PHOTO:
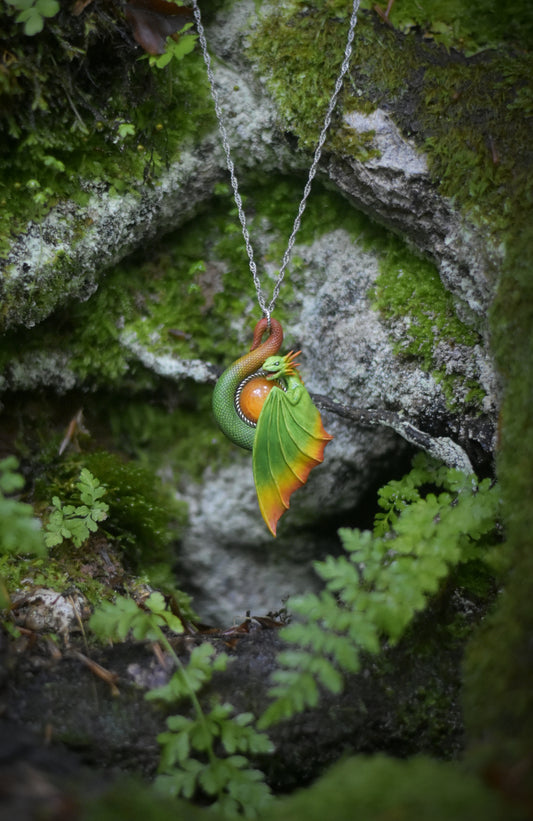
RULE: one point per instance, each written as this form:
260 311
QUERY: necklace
260 401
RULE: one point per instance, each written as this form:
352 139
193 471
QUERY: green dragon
261 404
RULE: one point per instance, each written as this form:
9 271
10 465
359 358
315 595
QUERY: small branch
106 675
441 447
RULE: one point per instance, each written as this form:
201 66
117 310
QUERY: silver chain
267 309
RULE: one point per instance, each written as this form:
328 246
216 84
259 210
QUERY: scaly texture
225 389
289 439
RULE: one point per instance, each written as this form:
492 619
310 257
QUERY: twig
441 447
106 675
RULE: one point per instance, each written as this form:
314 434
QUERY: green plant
174 49
378 788
33 12
77 522
384 578
79 107
190 760
144 516
430 521
20 530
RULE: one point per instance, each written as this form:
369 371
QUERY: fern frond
384 578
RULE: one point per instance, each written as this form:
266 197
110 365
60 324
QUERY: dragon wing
289 442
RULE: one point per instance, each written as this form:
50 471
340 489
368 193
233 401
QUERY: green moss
499 666
470 115
94 328
498 694
409 287
135 544
31 570
346 141
143 516
137 801
476 578
97 571
464 113
377 787
85 571
200 280
299 50
326 211
160 437
299 53
66 96
467 26
478 138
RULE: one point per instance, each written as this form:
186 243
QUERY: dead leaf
152 21
79 6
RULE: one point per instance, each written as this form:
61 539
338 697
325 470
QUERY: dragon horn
290 363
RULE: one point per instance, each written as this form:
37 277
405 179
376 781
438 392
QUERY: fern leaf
383 580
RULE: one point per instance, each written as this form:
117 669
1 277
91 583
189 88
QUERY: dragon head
280 366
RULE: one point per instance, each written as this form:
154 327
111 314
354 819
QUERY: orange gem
253 395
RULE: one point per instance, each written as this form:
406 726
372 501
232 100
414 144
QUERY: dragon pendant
261 404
